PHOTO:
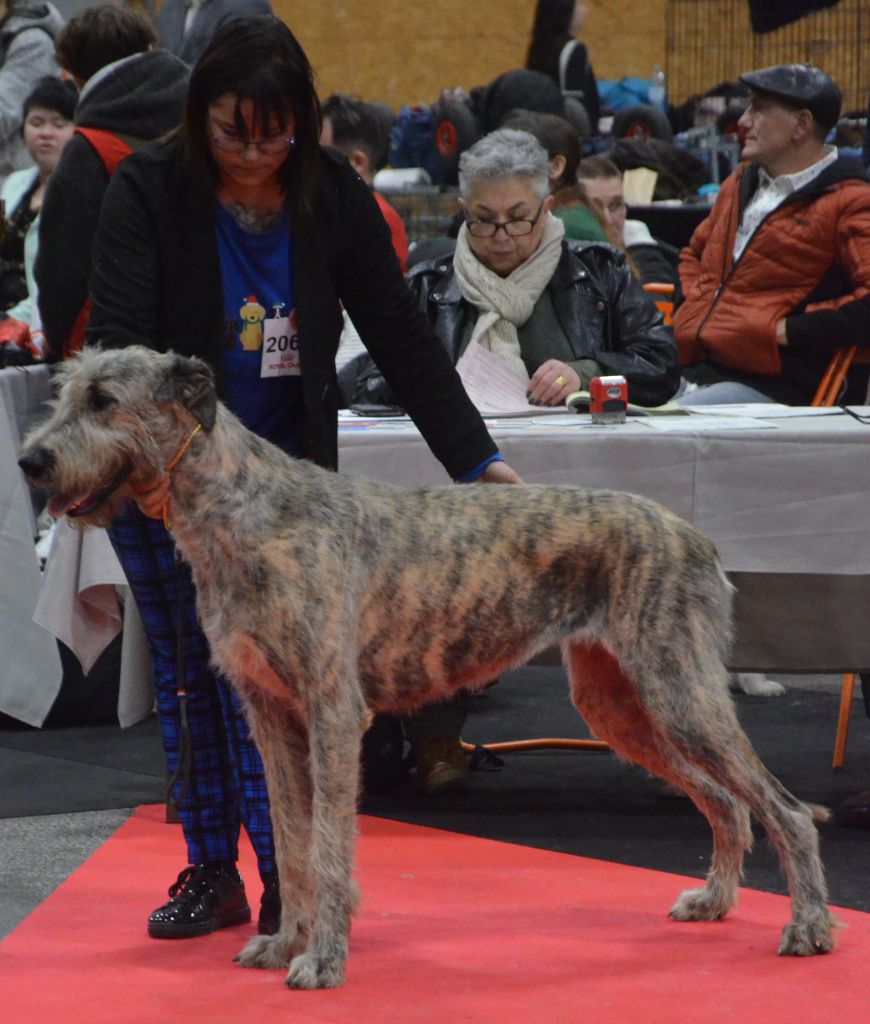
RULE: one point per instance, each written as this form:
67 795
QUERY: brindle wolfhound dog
325 598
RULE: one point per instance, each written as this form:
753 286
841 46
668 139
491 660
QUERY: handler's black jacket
156 281
602 309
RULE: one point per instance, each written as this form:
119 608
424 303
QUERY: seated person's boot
434 732
441 764
204 898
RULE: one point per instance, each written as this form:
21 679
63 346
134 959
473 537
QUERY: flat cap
803 85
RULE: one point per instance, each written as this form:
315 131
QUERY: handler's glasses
513 228
229 142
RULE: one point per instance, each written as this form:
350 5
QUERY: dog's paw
807 939
308 970
698 905
755 684
267 951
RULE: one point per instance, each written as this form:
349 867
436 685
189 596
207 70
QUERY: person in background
46 129
131 93
237 239
652 261
533 296
27 34
184 27
555 50
777 277
555 311
361 131
571 202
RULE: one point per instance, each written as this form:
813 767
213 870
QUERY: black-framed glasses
233 144
513 228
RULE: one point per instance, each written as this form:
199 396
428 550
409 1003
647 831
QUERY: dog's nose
35 463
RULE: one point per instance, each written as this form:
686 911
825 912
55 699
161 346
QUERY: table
787 506
673 223
78 600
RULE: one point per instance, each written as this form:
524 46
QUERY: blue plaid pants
222 786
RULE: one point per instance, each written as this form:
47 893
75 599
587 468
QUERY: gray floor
38 853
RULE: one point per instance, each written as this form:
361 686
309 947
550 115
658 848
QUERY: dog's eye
99 401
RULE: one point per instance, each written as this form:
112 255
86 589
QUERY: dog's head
118 416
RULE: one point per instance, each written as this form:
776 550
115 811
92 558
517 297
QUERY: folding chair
829 391
665 302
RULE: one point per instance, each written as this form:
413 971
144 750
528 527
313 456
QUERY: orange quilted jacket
809 261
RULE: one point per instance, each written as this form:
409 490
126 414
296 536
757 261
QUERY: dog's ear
190 382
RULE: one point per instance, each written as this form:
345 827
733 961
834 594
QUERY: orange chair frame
829 390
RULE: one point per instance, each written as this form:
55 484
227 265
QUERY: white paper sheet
494 387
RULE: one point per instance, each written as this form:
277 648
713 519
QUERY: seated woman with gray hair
560 312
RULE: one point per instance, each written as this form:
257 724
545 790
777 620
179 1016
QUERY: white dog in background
754 684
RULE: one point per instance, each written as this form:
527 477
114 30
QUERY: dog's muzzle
34 465
38 464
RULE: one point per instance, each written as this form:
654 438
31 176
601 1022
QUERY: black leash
184 766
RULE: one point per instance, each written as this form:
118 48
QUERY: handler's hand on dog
499 473
150 495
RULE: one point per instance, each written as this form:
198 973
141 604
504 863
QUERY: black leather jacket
601 306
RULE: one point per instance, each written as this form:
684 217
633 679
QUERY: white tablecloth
30 668
786 504
77 601
793 497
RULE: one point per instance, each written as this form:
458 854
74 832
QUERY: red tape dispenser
608 399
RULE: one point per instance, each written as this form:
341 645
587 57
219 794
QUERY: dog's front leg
336 732
283 746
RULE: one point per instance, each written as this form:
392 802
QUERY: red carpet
452 929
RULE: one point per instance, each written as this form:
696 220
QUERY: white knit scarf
506 303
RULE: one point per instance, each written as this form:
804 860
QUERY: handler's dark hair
100 35
256 58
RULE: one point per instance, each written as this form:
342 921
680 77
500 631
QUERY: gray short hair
504 153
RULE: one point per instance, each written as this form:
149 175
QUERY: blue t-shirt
261 339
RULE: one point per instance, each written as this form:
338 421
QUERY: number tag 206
280 356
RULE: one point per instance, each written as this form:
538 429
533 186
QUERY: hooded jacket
139 98
808 262
26 54
208 18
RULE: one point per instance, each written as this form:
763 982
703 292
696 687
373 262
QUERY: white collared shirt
771 192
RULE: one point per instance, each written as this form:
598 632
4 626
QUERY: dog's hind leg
790 826
609 701
692 715
283 746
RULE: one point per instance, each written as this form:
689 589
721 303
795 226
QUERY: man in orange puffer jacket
778 276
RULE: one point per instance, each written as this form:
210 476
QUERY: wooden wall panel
709 41
406 52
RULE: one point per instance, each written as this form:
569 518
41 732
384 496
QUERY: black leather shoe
204 898
269 920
